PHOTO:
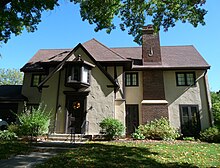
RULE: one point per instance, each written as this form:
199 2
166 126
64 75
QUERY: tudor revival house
84 85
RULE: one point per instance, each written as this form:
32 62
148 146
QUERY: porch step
68 137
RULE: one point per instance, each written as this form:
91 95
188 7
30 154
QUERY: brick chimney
150 46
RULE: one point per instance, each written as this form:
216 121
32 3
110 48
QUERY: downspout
208 99
57 102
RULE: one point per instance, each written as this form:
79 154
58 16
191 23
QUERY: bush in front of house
34 123
211 134
7 136
112 128
158 129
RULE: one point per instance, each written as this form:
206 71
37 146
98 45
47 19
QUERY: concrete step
68 137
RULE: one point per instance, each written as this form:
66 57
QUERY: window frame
185 78
131 82
190 117
81 68
39 80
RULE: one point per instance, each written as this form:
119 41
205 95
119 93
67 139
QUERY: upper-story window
185 78
37 79
131 79
78 73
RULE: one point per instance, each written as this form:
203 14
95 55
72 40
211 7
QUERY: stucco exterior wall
33 94
179 95
134 95
100 101
119 95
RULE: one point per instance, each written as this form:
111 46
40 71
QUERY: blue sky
63 28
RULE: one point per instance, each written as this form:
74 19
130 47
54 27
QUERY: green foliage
133 14
34 123
7 136
10 77
138 135
158 129
216 108
113 128
188 138
13 128
17 15
211 134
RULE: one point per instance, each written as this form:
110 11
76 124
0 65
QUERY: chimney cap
149 29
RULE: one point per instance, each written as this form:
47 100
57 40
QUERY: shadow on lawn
105 155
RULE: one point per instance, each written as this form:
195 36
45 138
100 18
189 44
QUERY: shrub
211 134
7 135
158 129
112 128
13 128
138 135
34 123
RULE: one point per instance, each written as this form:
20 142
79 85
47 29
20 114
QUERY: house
11 101
84 85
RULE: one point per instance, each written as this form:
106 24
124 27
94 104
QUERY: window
37 79
78 73
131 79
190 120
185 78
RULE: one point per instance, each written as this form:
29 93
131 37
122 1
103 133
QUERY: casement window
131 79
185 78
37 79
190 120
78 74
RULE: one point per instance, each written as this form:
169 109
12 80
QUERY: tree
216 107
10 77
17 15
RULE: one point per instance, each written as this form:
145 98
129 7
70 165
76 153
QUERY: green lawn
138 154
10 148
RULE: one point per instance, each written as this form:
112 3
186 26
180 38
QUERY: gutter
208 100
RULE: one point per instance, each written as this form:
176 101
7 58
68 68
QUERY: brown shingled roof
172 56
102 53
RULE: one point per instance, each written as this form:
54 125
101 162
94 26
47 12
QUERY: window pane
85 73
75 76
128 79
181 79
190 79
134 79
36 80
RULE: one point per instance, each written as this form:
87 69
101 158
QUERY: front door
190 120
76 114
132 119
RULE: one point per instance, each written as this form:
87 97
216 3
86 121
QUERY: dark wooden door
132 118
75 113
190 120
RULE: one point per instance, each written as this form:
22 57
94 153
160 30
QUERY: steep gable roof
102 53
171 56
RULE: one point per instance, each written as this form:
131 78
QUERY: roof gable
171 56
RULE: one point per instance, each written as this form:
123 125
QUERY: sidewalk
46 150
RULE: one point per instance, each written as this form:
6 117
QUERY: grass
10 148
138 154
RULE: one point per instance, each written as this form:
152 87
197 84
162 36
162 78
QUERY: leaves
10 77
26 14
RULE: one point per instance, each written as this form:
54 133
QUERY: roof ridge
56 49
179 46
109 49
